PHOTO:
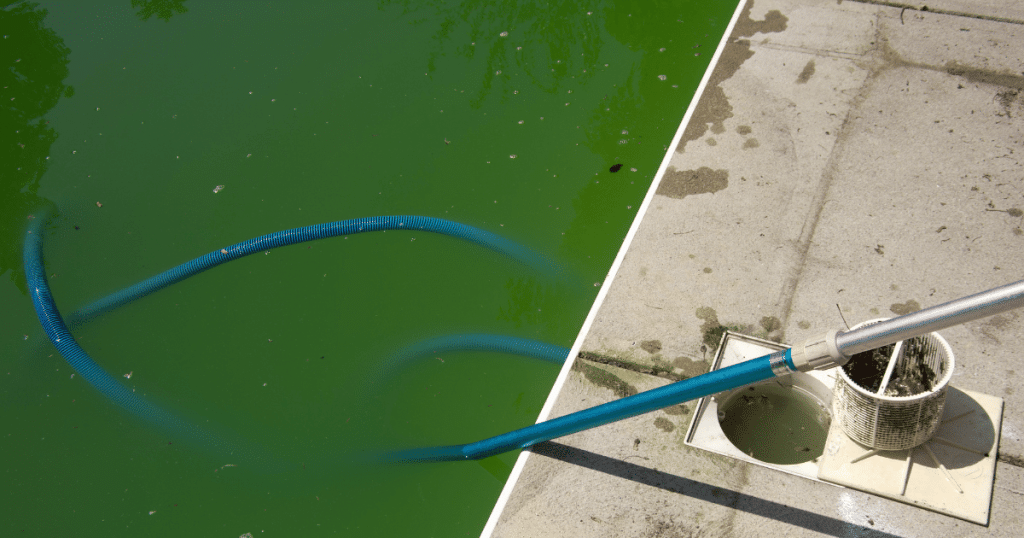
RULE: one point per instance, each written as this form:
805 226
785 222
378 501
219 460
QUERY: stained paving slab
847 161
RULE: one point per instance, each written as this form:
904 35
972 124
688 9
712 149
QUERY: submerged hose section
65 343
59 334
734 376
488 342
310 233
491 343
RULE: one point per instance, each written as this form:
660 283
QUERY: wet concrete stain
651 346
1013 83
771 323
690 367
676 410
664 424
714 108
1015 214
682 183
1010 459
996 326
1007 78
1006 99
750 143
774 22
773 328
661 368
604 378
807 73
1001 322
905 308
712 330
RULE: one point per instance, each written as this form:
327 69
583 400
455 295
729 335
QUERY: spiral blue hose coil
57 330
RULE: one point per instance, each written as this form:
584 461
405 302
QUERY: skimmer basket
903 409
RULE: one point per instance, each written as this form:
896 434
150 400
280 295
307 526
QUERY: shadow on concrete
705 492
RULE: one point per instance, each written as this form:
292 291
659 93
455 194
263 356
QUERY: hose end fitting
820 353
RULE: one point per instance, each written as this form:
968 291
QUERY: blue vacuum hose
744 373
490 343
818 353
827 351
59 334
310 233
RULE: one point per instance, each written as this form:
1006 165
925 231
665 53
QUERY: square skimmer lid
952 474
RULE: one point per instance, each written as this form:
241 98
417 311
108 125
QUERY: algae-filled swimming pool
123 118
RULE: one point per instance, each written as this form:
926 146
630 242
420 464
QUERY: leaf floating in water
615 168
218 188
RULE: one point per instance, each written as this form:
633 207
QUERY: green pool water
124 117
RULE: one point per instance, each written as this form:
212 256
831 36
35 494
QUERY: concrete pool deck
846 160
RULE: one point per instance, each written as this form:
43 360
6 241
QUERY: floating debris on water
218 188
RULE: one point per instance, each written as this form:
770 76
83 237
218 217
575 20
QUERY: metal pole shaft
970 308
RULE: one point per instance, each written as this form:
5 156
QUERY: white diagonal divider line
545 412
